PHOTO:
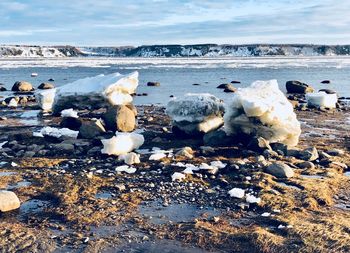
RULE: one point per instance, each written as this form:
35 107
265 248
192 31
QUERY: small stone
306 165
153 84
309 154
335 152
280 170
8 201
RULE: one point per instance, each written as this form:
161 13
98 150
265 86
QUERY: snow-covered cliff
203 50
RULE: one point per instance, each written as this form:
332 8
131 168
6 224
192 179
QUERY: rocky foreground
262 198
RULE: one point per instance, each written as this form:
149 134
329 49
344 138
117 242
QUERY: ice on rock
69 113
115 89
122 143
57 132
196 113
321 99
262 110
13 103
237 193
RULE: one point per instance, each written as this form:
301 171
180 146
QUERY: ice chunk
115 89
252 199
46 99
69 113
237 193
122 143
157 156
178 176
262 110
125 168
194 107
57 132
130 158
218 164
322 99
13 103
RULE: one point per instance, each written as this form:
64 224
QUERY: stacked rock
195 114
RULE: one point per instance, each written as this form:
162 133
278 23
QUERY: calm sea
177 75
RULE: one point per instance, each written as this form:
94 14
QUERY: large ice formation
196 113
122 143
115 89
262 110
322 99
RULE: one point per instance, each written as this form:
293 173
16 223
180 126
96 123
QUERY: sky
147 22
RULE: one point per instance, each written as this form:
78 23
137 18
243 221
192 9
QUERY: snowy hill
39 51
203 50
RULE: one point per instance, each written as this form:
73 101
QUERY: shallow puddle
290 186
19 185
103 195
160 214
33 206
7 173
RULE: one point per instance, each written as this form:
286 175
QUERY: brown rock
46 86
120 118
22 86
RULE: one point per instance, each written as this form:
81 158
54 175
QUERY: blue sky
140 22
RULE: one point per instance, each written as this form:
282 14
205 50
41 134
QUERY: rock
71 123
23 100
280 170
235 82
185 152
132 108
326 81
184 128
46 86
262 110
8 201
306 165
2 88
224 86
196 84
294 103
22 86
217 138
230 89
309 154
67 147
51 80
279 147
91 129
13 103
153 84
258 144
120 118
335 152
298 87
328 91
269 153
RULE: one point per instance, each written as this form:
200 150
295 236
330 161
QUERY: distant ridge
196 50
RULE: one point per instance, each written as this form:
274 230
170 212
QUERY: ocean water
177 75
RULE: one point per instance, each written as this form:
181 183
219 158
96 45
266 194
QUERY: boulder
326 81
120 118
91 129
46 86
224 86
8 201
259 144
71 123
328 91
195 114
298 87
2 88
22 86
280 170
217 138
262 110
153 84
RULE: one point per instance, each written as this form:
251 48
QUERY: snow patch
69 113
